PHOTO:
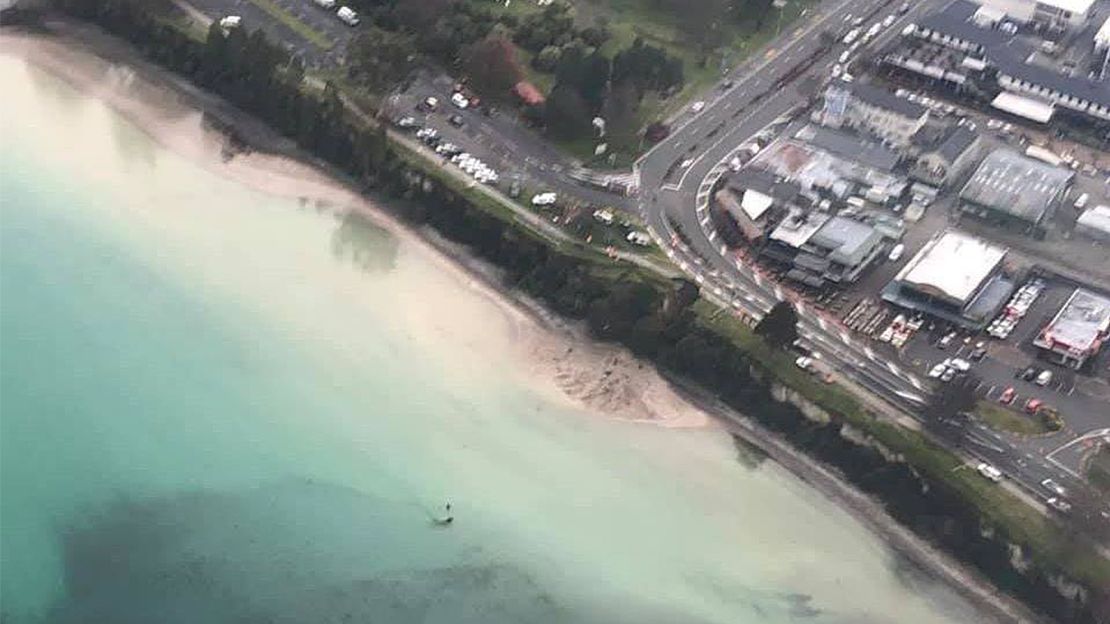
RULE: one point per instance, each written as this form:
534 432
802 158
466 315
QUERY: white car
889 20
989 471
230 22
697 107
1082 201
961 365
604 215
803 362
896 252
325 4
1053 486
1044 378
459 100
938 370
638 238
348 16
544 199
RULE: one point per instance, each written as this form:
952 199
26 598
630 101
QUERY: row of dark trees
651 316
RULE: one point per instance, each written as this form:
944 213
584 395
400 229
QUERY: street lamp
780 5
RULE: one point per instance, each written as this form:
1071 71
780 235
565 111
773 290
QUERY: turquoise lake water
222 406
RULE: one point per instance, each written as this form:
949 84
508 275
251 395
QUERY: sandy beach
600 378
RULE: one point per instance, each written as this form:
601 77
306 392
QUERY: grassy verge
1004 419
1098 472
285 17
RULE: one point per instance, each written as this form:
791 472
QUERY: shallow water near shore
217 405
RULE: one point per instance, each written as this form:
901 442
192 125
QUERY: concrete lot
322 21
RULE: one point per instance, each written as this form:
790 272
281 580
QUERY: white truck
347 15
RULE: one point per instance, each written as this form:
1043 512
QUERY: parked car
697 107
1055 487
325 4
1032 405
946 340
456 120
406 122
544 199
1059 504
989 471
1081 202
948 375
938 370
1007 396
348 16
1029 373
429 103
803 362
896 252
978 354
1043 378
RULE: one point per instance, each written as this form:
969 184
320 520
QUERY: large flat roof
845 238
886 100
1074 6
1081 324
849 147
1016 185
1010 53
953 265
1096 218
796 229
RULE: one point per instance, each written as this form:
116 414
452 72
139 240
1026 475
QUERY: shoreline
278 167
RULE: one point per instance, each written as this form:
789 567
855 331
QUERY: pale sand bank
601 378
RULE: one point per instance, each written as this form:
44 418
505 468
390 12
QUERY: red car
1032 405
1007 396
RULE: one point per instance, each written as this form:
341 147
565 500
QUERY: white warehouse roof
1097 218
1022 106
952 265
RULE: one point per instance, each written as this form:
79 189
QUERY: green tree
780 327
952 399
566 113
378 59
492 66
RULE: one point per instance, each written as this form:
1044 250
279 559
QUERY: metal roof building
956 277
1014 190
1078 330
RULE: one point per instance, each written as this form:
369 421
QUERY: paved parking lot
333 34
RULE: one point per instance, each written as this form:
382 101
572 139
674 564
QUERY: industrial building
875 111
1051 15
1078 330
947 158
818 249
965 44
1014 191
955 277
